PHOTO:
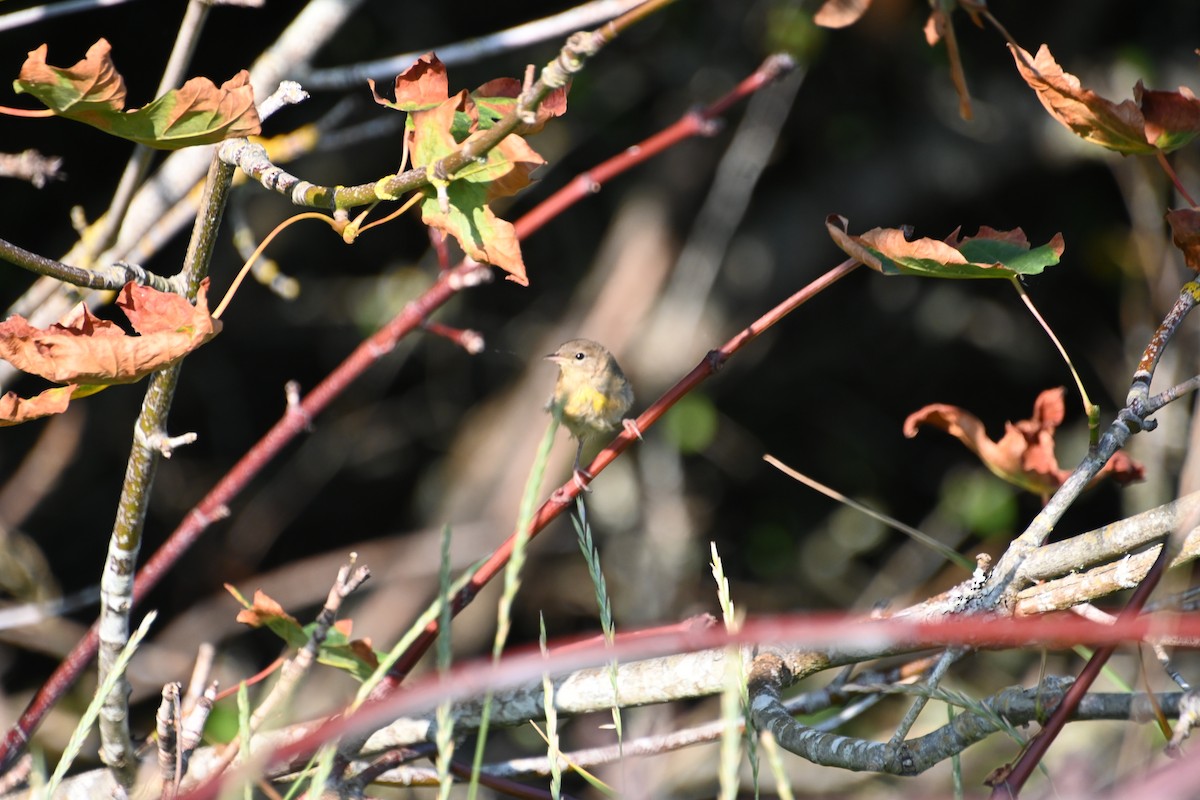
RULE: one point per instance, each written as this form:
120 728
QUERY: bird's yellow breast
587 409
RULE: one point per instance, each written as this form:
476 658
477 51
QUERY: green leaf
93 92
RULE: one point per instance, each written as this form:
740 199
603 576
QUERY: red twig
697 122
467 339
1166 167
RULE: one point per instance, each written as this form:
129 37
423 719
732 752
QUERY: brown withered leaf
1152 121
423 85
89 350
14 409
1185 232
1025 455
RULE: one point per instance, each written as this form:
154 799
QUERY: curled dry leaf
88 353
1185 232
90 350
1152 121
988 254
15 409
93 92
1024 456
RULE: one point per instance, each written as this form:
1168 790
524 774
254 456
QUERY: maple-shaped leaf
988 254
89 350
93 92
1152 121
460 207
1185 232
439 124
338 650
1024 456
423 85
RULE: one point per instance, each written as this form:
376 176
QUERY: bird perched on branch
592 392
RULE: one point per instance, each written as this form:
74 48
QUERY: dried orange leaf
423 85
1185 232
1152 121
14 410
93 92
1025 455
91 86
94 351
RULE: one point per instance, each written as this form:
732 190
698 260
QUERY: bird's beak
555 357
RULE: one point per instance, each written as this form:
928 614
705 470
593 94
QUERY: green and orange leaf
425 84
439 124
989 254
338 649
93 92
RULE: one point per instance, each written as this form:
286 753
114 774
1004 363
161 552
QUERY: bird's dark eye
580 356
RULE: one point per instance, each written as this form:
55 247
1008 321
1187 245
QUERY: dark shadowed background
434 436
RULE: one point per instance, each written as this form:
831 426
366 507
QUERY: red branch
697 122
816 632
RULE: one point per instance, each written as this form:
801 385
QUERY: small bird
593 392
